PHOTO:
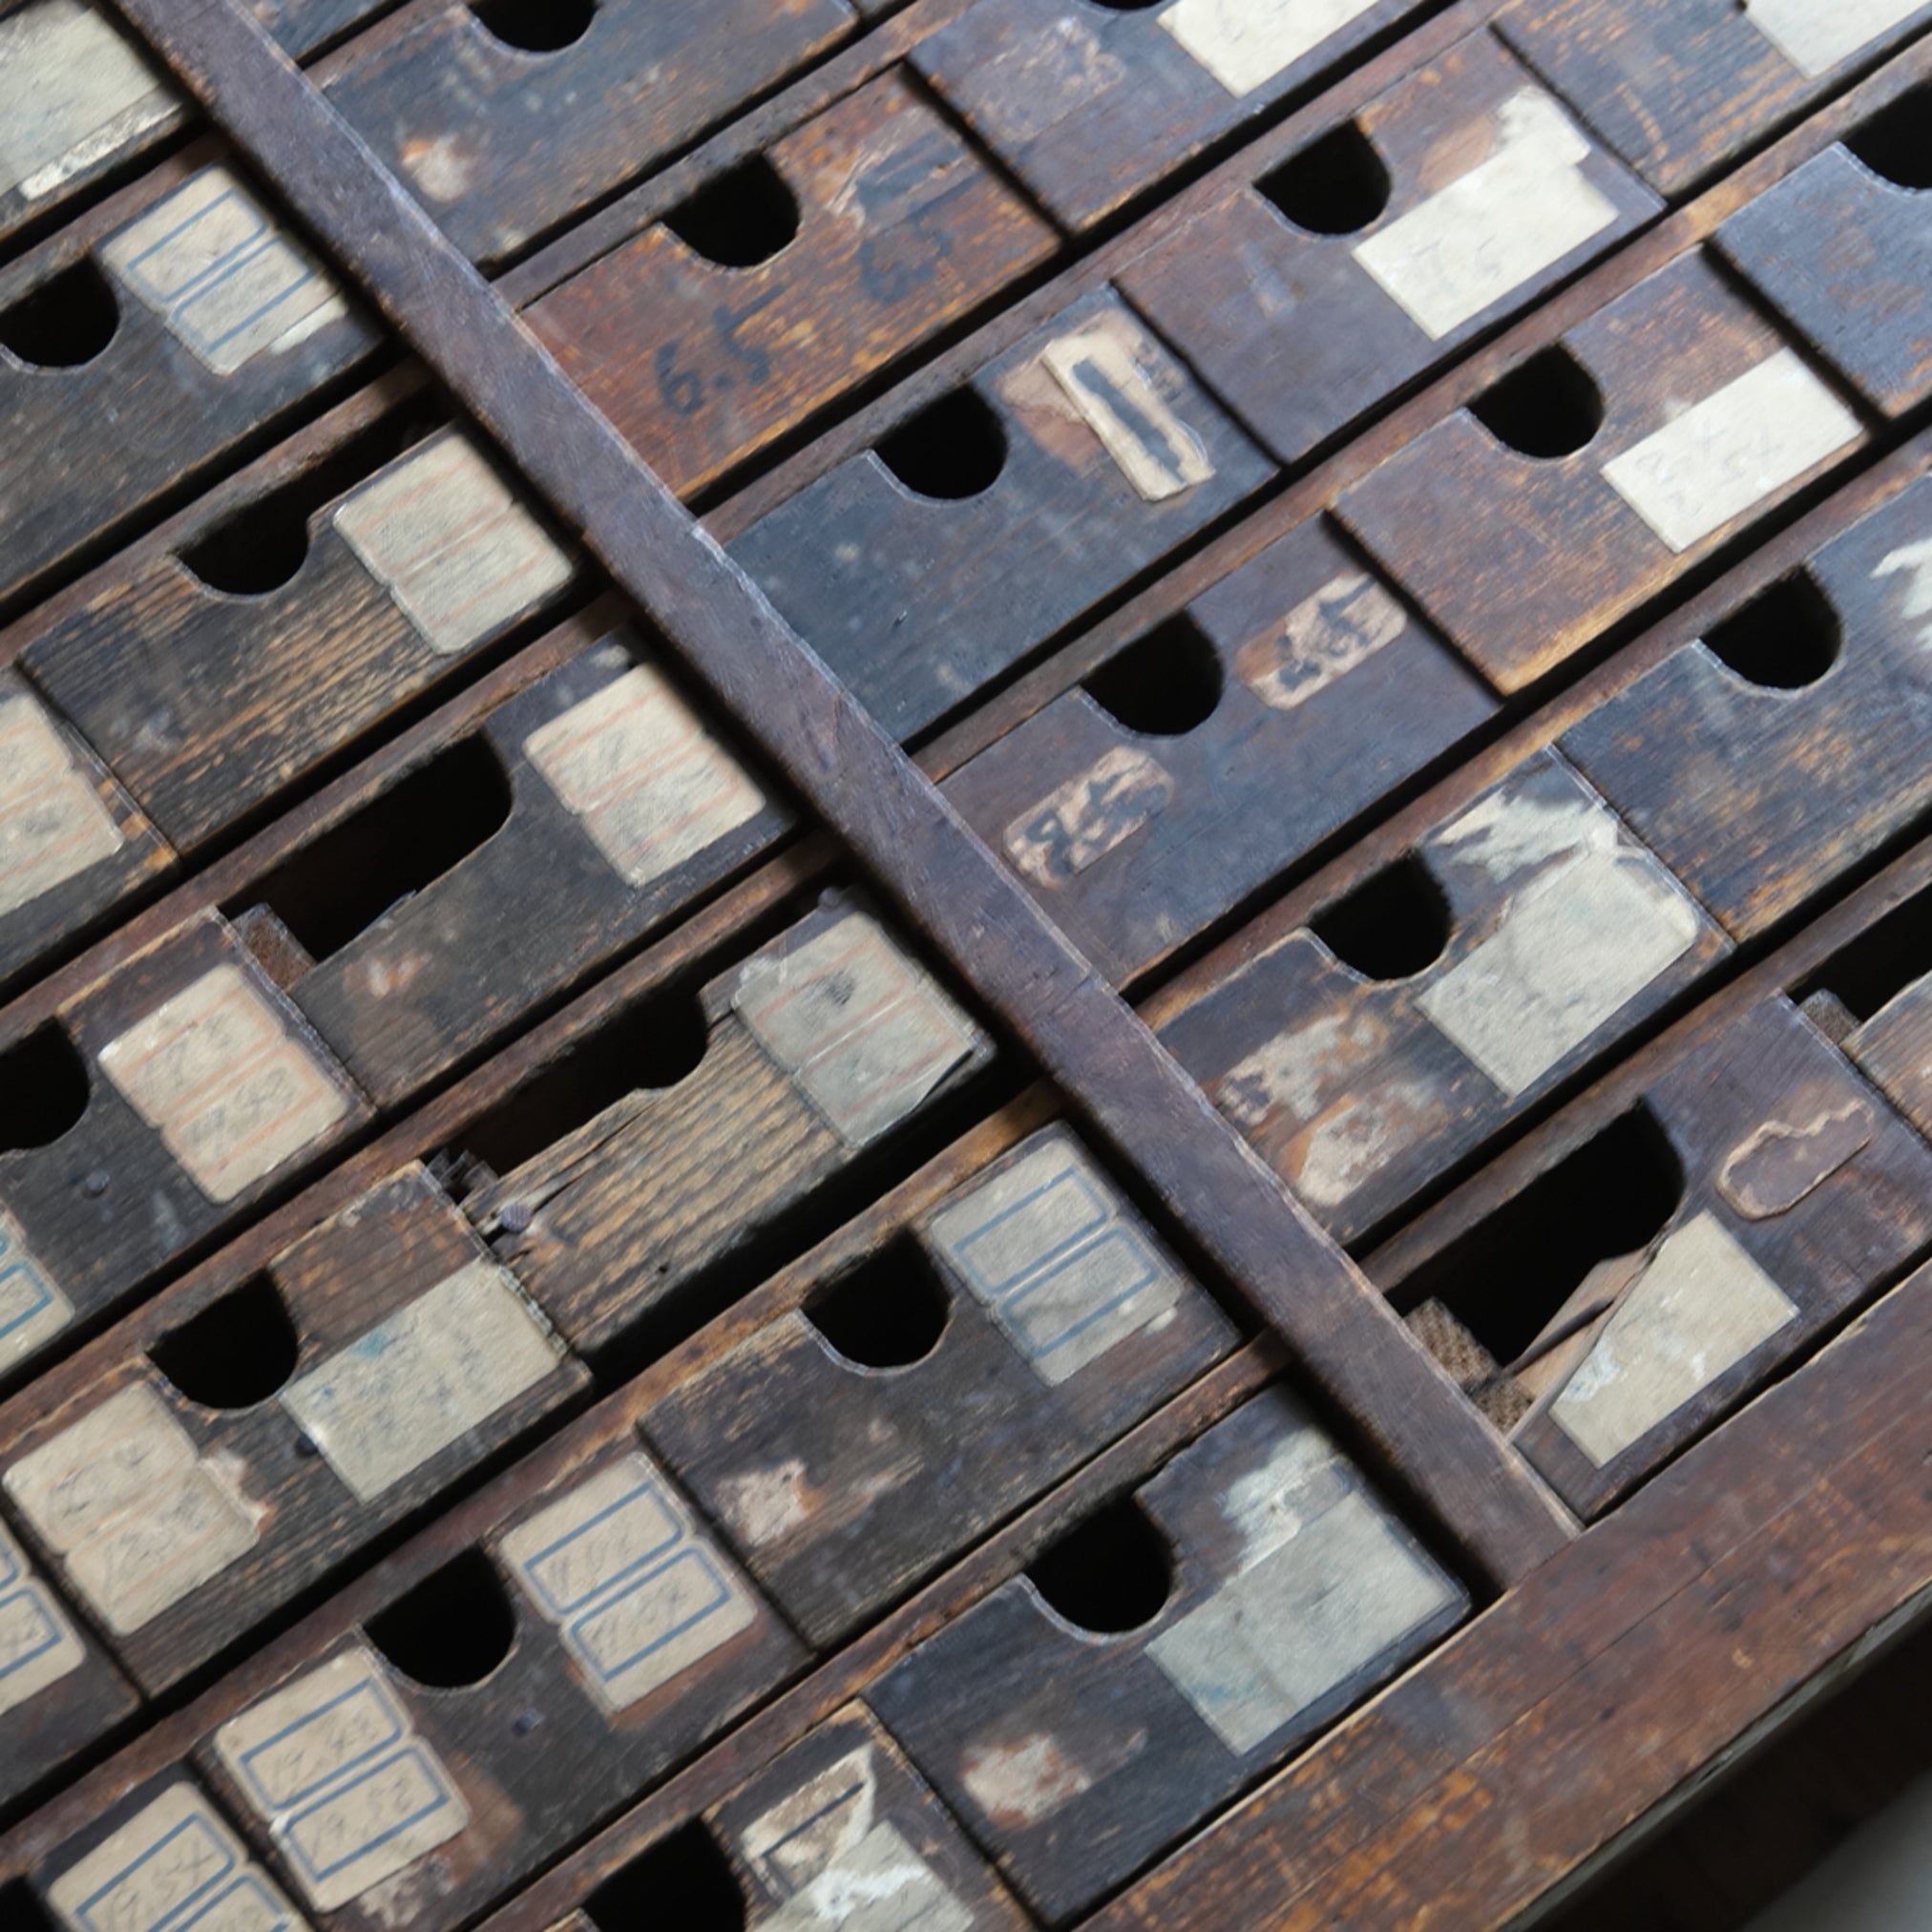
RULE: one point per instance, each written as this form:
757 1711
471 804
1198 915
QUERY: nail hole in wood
952 448
43 1089
1390 926
64 322
1897 142
886 1313
1164 685
454 1628
1786 637
684 1879
744 217
1335 186
535 26
1111 1573
238 1351
1547 406
341 883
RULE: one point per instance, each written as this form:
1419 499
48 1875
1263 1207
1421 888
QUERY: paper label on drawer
424 1379
1731 451
1506 222
1099 368
227 282
1815 35
865 1032
651 785
1700 1306
73 92
37 1643
1051 1252
53 823
880 1884
1244 44
1085 818
138 1517
332 1764
176 1864
443 534
231 1091
31 1307
637 1595
1320 640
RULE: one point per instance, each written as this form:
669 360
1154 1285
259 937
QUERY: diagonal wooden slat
949 885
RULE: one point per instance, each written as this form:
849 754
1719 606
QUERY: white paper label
1099 368
53 824
637 1593
1700 1306
209 262
1815 35
231 1091
1731 451
176 1865
651 785
139 1518
424 1379
865 1032
333 1766
1052 1253
73 92
1085 819
1506 222
37 1643
32 1308
443 534
881 1884
1321 639
1244 44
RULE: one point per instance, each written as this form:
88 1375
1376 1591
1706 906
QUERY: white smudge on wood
53 823
1082 821
1817 36
1102 368
1244 44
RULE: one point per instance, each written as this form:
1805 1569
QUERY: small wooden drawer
71 841
868 229
1090 104
1842 248
1367 1052
1368 258
1089 1713
1298 675
501 139
156 1106
145 342
1759 775
217 1455
931 563
1888 1035
1682 91
1006 1335
812 1051
1648 1279
206 694
582 812
58 1691
1596 473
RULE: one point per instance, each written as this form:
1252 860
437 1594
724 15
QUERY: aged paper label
176 1865
1099 369
637 1595
1054 1254
865 1032
349 1791
442 532
138 1517
230 1090
880 1884
1085 818
39 1646
1502 224
650 784
32 1308
1244 44
73 91
1815 35
228 283
1320 640
53 824
424 1379
1699 1306
1731 451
